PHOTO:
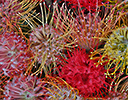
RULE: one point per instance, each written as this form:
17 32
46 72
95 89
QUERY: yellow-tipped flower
116 48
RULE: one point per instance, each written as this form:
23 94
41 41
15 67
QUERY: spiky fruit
25 87
13 53
81 72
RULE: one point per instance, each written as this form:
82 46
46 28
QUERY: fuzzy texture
81 72
90 5
13 54
116 48
46 43
11 12
24 87
58 89
86 27
8 13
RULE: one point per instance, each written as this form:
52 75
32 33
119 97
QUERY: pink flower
86 27
46 41
13 54
25 88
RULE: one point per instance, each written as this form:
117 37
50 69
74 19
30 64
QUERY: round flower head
81 72
84 28
116 48
47 41
13 53
24 88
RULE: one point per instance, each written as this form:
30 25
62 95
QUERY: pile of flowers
64 49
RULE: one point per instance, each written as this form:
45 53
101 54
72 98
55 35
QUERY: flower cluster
63 49
85 29
116 48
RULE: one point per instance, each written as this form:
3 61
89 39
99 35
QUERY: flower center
28 96
10 53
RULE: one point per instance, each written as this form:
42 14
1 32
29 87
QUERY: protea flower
25 87
33 88
89 5
81 72
119 91
58 89
87 27
10 10
116 49
14 56
47 41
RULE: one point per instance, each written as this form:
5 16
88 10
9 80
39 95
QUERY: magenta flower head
82 73
13 54
24 88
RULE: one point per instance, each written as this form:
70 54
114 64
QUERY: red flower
13 54
90 5
81 72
